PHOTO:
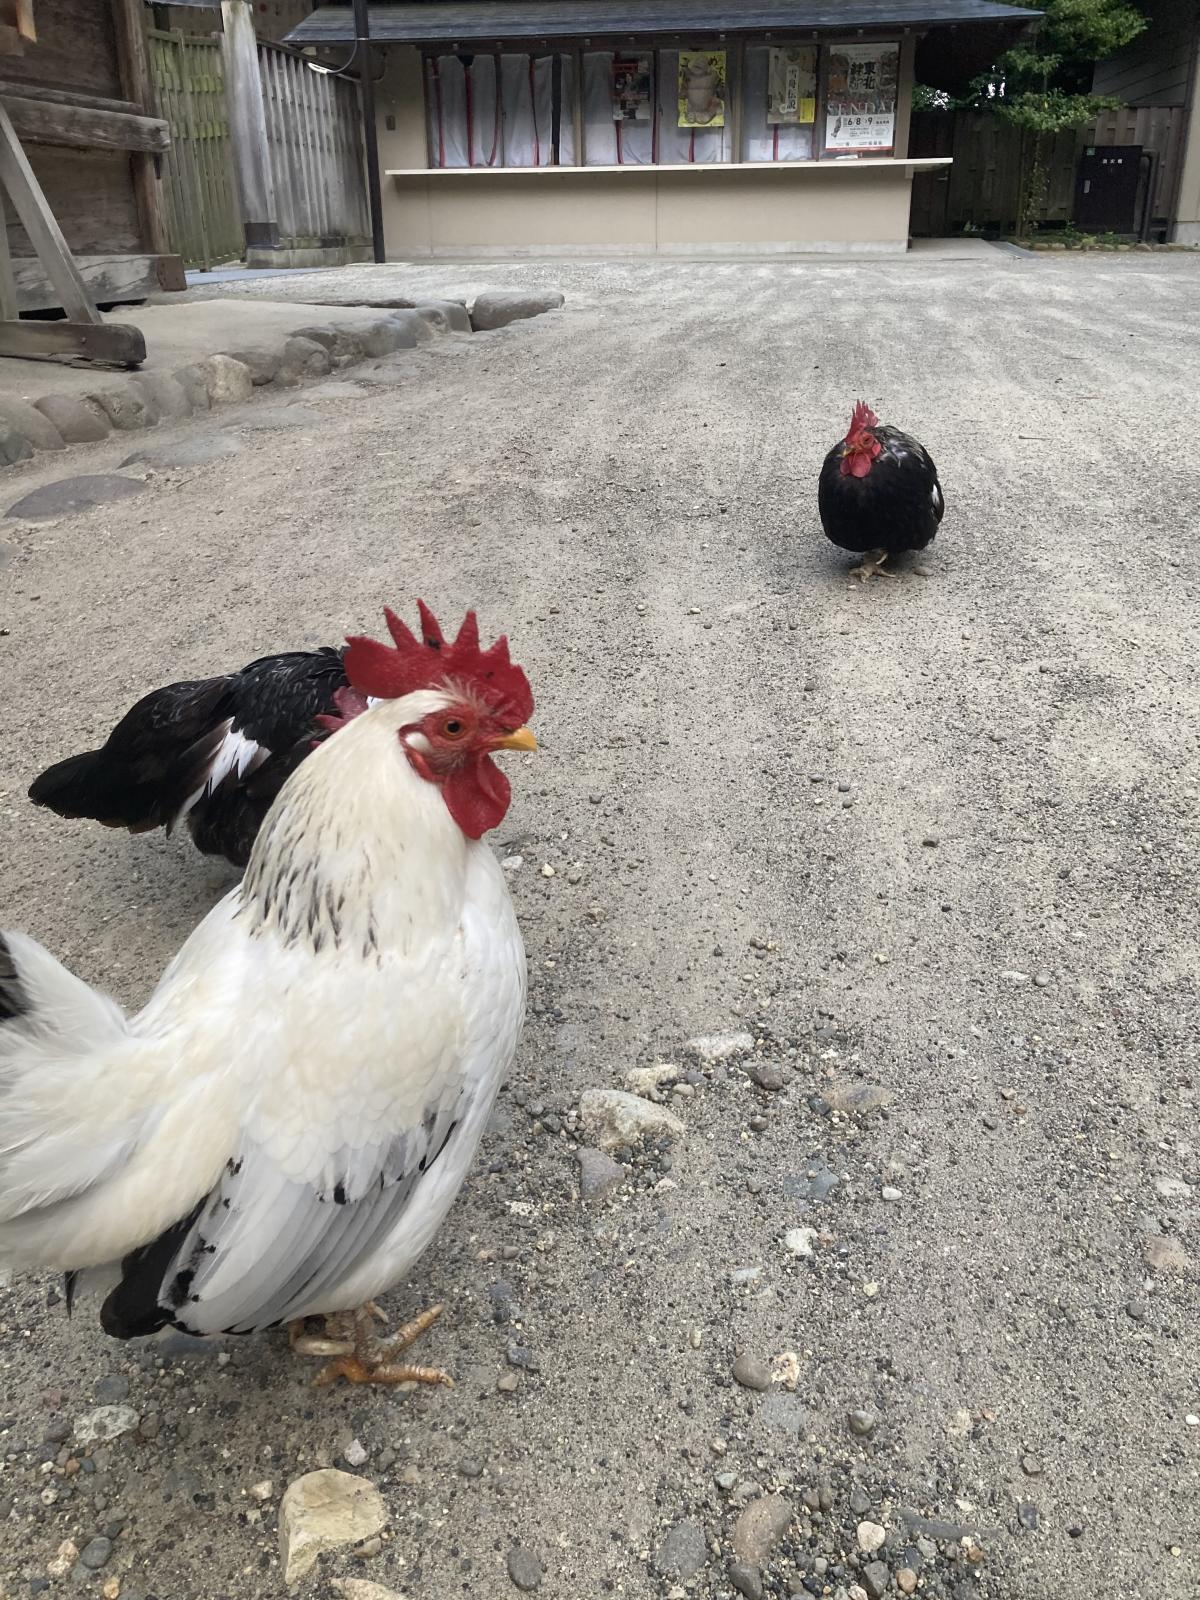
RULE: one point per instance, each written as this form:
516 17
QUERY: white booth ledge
743 208
708 168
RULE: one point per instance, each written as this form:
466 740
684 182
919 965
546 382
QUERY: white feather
361 990
235 753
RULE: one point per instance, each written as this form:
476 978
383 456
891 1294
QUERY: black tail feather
132 1309
13 1000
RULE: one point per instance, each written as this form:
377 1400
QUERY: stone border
127 402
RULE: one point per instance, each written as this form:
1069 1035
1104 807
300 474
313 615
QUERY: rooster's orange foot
361 1358
871 566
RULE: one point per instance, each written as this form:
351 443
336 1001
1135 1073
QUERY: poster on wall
702 88
631 89
791 86
860 98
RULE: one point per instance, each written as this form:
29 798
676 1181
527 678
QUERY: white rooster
280 1132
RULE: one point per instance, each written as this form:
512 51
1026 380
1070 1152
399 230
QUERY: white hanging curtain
473 125
608 141
465 125
681 146
528 107
766 141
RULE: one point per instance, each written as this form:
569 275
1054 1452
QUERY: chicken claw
364 1359
871 566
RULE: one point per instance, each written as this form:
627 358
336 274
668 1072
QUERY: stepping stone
336 391
185 452
69 495
261 418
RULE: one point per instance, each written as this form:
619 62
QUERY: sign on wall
702 88
791 86
860 98
632 92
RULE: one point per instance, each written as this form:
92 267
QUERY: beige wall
1187 212
839 206
647 210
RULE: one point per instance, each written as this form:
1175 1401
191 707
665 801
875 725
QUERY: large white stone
611 1118
322 1511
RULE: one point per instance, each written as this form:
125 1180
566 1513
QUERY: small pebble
355 1453
1043 979
751 1373
509 1383
95 1553
862 1423
746 1580
888 1193
524 1569
906 1580
1031 1466
870 1537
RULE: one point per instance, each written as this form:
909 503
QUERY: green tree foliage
1044 83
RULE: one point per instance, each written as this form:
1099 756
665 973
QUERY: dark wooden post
137 86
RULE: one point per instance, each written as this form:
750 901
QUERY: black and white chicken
280 1131
878 494
211 752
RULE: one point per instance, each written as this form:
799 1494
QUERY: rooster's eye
453 729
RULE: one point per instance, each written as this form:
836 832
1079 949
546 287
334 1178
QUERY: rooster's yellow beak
521 740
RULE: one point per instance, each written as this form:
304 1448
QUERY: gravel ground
910 1299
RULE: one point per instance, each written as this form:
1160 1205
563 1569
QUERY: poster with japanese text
791 86
632 91
860 99
702 88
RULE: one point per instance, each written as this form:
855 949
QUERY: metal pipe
366 89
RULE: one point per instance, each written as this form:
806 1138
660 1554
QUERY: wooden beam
39 223
44 122
248 126
133 57
110 280
66 97
18 15
114 342
8 287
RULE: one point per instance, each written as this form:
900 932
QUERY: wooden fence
980 190
313 149
314 138
189 89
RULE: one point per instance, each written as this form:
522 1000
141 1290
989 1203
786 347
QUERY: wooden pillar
136 85
248 127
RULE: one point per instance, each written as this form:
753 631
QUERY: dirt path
936 839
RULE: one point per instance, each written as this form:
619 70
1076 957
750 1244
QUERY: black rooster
878 493
214 752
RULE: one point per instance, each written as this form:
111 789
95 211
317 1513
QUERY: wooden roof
447 21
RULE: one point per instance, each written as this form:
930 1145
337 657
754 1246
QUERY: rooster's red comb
386 672
862 417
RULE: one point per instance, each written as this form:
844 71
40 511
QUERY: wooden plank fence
314 139
189 90
980 190
313 148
